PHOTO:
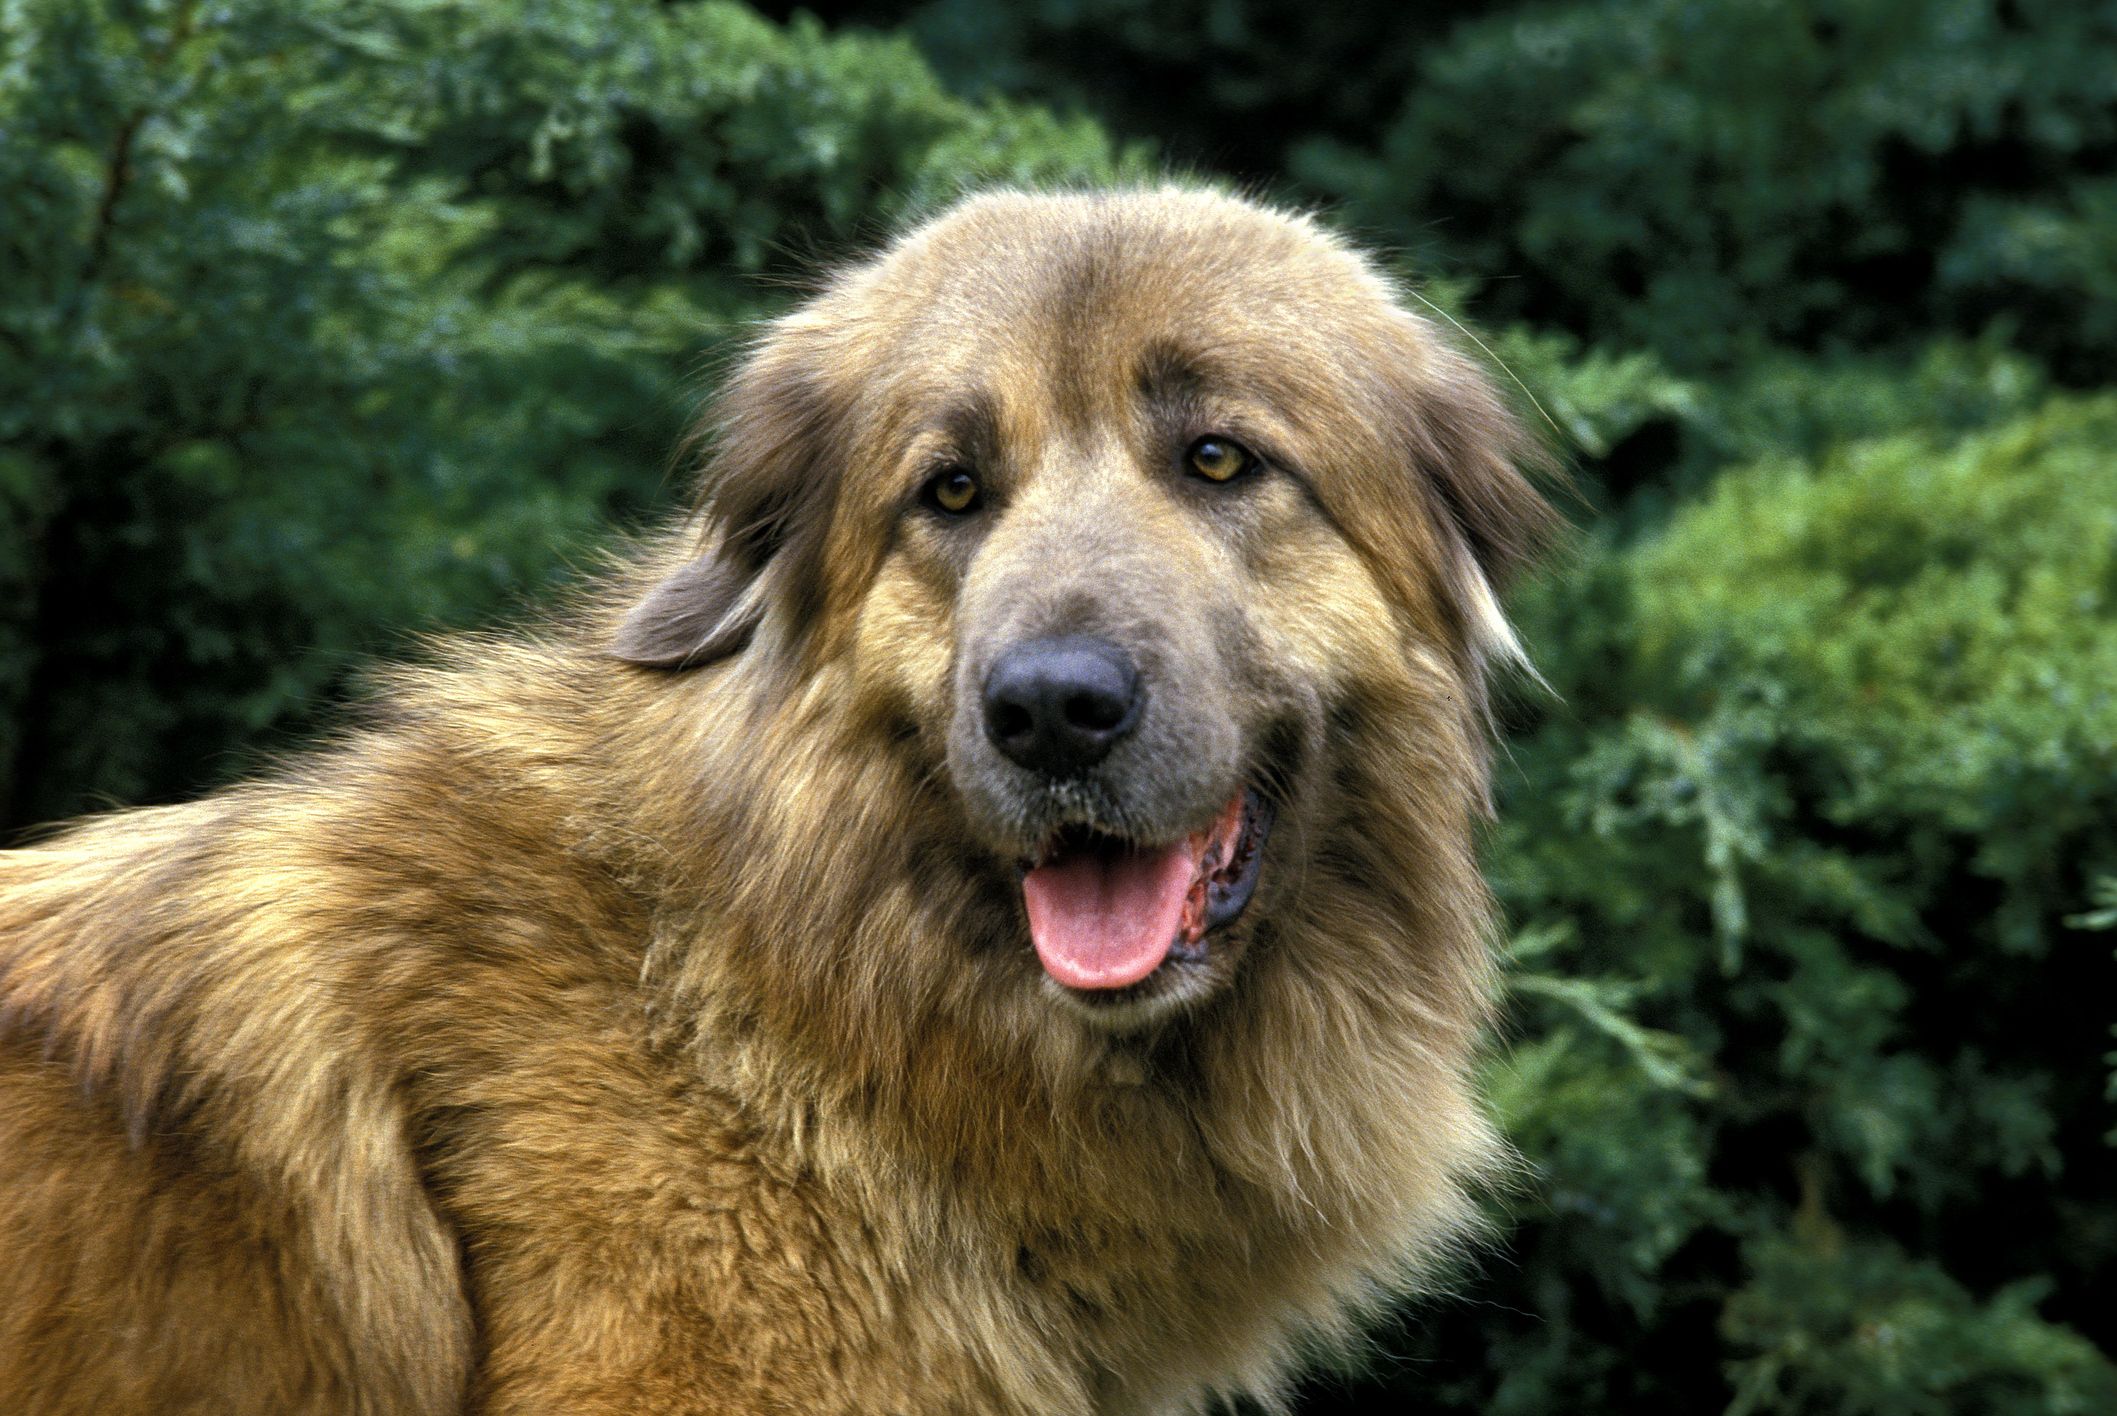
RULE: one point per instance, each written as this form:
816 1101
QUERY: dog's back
205 1182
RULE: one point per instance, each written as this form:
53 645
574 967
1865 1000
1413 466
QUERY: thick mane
870 1028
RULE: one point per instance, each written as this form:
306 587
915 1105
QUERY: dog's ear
1478 469
769 475
701 613
1478 458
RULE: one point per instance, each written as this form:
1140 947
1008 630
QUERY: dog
983 917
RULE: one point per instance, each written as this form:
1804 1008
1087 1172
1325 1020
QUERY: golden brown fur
587 1036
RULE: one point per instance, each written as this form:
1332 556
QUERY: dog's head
1160 534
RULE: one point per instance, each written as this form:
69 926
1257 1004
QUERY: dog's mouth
1104 913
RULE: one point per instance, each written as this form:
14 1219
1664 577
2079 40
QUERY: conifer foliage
323 322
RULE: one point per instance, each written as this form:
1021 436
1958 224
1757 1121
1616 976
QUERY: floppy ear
769 479
1475 459
1476 456
701 613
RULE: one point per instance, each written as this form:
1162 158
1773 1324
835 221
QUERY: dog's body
642 1017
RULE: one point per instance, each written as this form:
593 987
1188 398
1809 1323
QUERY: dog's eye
1218 459
954 491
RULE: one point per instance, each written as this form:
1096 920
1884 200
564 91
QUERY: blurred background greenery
325 321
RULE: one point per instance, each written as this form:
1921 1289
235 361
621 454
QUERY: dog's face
1131 515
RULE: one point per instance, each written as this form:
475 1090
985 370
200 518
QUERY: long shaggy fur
583 1036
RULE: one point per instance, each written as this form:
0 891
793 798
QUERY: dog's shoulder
204 1163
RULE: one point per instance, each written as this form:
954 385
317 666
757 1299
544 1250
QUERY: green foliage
2103 915
1835 762
1704 178
1860 1329
1230 84
1700 178
320 322
1940 616
701 140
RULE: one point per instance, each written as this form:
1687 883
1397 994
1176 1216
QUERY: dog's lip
1258 811
1229 888
1228 884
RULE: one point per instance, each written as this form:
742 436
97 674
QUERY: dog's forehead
1097 256
1088 298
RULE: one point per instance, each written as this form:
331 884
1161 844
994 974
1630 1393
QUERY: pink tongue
1105 921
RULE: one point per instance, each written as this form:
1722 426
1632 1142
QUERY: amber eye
954 491
1218 459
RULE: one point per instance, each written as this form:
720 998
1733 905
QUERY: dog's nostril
1011 720
1057 706
1096 711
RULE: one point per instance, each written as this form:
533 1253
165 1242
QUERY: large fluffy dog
985 920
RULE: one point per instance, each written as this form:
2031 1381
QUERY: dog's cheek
901 650
1319 614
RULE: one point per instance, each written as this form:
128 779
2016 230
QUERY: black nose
1057 706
